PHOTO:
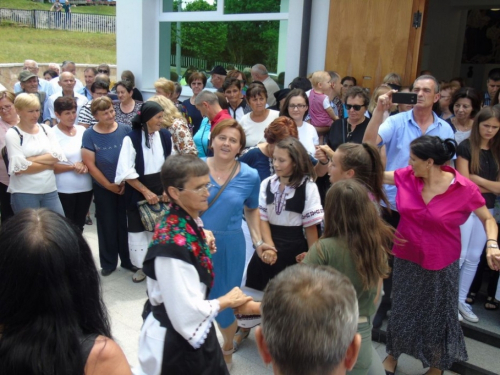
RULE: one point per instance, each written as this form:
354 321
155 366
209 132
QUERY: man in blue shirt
43 85
492 86
396 133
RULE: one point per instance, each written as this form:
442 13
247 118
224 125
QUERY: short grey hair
432 78
309 319
334 76
260 69
31 62
54 66
66 63
206 96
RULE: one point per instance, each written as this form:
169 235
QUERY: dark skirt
153 183
290 242
424 318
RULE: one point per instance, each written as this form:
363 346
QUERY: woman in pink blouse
433 201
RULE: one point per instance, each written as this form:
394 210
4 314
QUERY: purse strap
223 186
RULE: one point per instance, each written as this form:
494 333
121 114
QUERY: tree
204 40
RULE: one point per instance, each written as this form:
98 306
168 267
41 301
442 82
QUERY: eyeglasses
297 106
356 107
201 190
103 71
6 108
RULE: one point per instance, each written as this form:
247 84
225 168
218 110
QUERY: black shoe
131 268
105 272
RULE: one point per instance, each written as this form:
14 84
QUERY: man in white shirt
67 66
259 73
67 85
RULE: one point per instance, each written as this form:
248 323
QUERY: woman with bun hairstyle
433 200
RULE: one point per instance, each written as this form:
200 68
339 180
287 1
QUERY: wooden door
369 38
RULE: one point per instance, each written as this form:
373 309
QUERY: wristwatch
259 243
492 246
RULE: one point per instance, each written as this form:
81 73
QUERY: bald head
55 67
31 65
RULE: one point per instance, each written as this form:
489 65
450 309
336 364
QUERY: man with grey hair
67 84
207 103
309 322
32 67
67 66
259 73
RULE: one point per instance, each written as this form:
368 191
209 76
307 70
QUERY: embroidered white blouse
33 145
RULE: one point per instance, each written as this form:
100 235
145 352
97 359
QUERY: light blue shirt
43 85
86 92
397 132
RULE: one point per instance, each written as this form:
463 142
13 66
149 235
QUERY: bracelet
259 243
491 240
324 163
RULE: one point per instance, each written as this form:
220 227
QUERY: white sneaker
467 312
460 319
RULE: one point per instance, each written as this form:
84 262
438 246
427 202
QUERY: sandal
227 353
242 334
491 304
138 276
471 298
387 372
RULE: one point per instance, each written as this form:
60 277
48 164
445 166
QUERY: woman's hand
117 189
493 258
323 153
299 258
80 168
151 197
249 308
233 299
210 239
269 256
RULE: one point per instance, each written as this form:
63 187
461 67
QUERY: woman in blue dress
224 216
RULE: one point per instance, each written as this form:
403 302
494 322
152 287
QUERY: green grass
28 4
20 43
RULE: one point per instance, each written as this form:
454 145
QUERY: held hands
234 298
210 239
249 308
269 255
323 153
117 189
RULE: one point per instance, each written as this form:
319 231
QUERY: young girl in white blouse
33 151
290 208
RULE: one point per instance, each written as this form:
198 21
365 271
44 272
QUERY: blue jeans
20 201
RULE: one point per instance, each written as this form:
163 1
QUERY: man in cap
218 77
32 66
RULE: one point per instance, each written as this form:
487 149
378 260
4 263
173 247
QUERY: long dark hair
364 160
433 147
351 216
475 138
302 163
50 296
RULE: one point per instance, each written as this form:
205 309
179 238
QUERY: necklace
224 175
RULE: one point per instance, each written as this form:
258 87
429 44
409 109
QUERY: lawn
28 4
20 43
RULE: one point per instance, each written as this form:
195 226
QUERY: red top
432 231
222 115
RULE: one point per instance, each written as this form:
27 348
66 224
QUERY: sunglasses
356 107
103 71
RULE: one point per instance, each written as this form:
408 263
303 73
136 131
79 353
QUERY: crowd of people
264 188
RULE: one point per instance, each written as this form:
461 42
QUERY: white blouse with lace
43 142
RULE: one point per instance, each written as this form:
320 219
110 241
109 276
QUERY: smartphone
404 98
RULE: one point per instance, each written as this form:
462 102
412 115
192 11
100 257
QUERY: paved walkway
125 300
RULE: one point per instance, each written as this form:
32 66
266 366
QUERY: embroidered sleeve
17 159
313 210
125 169
181 138
183 296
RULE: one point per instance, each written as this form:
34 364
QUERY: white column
319 32
137 39
293 38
